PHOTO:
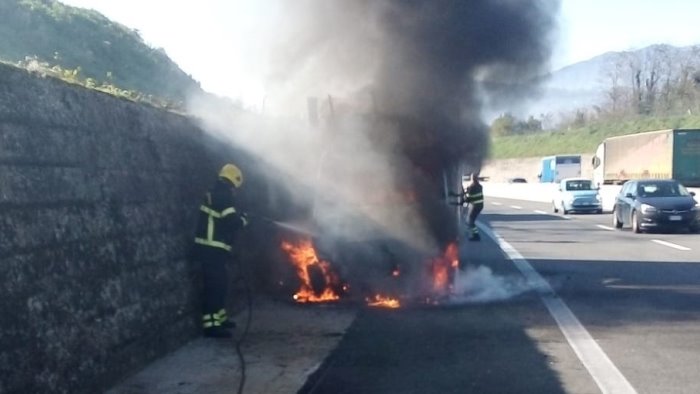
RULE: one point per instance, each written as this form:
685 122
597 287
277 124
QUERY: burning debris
443 269
319 282
314 288
383 302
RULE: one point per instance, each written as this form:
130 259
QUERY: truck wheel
636 228
616 222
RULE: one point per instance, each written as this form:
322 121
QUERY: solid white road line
496 203
516 207
669 244
605 227
540 212
606 375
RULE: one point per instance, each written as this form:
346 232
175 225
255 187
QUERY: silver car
577 195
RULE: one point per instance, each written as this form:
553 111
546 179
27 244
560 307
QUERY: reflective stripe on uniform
220 316
207 321
209 241
476 198
216 214
228 211
212 243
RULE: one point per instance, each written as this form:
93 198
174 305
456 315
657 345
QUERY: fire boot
217 332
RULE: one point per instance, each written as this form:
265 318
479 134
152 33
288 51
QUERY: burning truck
383 232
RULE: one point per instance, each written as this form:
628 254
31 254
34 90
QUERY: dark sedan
650 204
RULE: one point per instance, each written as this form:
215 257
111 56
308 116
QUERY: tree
503 125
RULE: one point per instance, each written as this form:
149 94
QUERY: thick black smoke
436 50
420 69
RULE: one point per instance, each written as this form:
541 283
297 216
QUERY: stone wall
98 198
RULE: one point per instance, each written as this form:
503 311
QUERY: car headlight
597 197
646 208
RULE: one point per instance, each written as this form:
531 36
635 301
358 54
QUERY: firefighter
219 222
473 198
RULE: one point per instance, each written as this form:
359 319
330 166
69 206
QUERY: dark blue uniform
219 222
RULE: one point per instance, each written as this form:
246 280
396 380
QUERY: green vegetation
582 139
82 46
507 124
651 89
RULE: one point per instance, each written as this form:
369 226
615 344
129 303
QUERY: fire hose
245 277
249 297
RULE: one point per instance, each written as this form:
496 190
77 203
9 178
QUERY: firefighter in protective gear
219 222
473 199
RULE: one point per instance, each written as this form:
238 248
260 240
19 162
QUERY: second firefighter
472 198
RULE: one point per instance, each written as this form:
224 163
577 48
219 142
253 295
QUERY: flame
441 267
303 255
383 302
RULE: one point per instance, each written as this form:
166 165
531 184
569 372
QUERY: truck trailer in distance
663 154
555 168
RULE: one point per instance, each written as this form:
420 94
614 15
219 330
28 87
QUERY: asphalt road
596 310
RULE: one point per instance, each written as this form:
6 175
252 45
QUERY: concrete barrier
544 192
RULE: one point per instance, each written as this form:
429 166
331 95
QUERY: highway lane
637 295
678 241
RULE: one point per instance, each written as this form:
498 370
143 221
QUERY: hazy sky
221 43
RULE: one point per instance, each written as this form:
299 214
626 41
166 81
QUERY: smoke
479 285
397 89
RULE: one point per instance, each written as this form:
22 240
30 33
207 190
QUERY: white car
577 195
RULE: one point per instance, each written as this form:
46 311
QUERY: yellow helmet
232 173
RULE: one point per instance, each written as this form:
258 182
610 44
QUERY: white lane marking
516 207
540 212
606 375
496 203
566 217
669 244
605 227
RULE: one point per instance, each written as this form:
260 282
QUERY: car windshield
661 189
579 185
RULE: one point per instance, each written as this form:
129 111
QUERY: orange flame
441 267
304 256
383 302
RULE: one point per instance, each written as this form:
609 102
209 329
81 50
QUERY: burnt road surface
604 311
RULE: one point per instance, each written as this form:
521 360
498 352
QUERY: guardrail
544 192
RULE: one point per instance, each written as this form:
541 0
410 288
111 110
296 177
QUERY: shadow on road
475 349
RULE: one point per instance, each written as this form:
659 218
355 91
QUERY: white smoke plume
481 285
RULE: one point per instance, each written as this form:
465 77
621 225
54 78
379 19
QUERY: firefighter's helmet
232 173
